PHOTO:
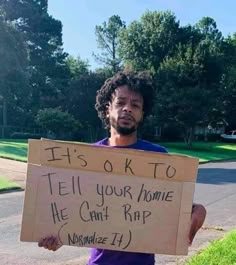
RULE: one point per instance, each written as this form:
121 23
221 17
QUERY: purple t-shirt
113 257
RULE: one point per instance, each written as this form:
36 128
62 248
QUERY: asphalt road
216 189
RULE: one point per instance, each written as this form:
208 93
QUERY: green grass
17 150
14 149
204 151
6 185
220 252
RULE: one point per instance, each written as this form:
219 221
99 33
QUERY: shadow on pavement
216 176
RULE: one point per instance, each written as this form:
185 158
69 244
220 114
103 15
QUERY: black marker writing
118 238
133 216
127 165
109 190
88 215
85 163
68 155
61 187
83 240
58 215
49 180
72 185
170 172
108 166
147 195
155 168
52 153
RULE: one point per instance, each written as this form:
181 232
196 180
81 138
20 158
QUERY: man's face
125 110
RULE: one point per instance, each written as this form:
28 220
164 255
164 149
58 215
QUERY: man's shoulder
149 146
101 142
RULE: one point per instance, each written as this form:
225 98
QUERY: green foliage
57 122
108 41
47 70
77 66
17 150
13 72
79 97
204 151
184 96
6 185
194 68
187 64
228 83
80 100
13 57
208 28
220 252
14 149
145 43
188 81
20 135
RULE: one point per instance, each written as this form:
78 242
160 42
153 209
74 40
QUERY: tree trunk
188 138
4 117
4 112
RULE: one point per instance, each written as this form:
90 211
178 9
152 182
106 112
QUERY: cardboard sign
109 198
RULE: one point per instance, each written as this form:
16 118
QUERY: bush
172 133
58 123
212 137
20 135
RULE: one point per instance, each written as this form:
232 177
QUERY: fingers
50 243
198 217
192 234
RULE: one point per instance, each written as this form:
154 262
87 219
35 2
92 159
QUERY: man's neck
117 139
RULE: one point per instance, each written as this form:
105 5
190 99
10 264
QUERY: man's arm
197 220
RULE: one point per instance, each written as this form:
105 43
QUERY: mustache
126 116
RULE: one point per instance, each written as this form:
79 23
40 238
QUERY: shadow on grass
7 185
7 190
12 151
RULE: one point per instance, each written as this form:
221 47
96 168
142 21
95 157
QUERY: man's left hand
197 220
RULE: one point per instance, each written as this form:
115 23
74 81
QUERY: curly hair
140 82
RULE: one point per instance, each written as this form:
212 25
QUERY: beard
121 129
124 130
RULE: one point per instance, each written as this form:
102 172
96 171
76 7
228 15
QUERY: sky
79 18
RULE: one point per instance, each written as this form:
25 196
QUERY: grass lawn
204 151
6 185
14 149
220 252
17 150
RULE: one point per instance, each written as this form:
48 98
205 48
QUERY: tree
77 66
189 83
43 35
13 72
212 46
108 41
80 95
144 44
228 84
208 29
80 101
57 123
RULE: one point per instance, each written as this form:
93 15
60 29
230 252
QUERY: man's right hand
50 243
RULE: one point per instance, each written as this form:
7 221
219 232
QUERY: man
122 103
